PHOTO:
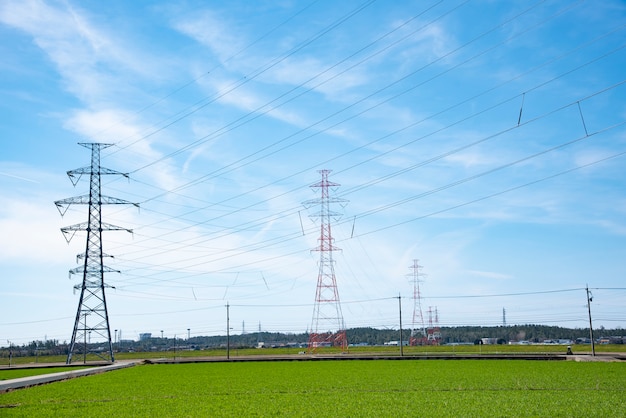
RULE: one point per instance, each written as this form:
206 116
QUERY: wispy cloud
490 274
85 53
18 177
214 31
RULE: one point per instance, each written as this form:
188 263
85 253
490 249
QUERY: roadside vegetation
234 352
25 372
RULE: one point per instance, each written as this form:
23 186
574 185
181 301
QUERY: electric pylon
433 333
328 328
92 318
418 331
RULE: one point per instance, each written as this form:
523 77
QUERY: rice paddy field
443 350
353 388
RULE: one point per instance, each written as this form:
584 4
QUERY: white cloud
248 99
591 155
28 219
85 53
426 44
212 30
490 274
472 158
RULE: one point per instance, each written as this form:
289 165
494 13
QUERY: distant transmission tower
433 332
328 328
92 318
418 331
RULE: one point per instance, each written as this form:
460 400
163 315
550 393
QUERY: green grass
385 350
17 373
335 388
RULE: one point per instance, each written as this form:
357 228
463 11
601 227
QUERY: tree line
365 335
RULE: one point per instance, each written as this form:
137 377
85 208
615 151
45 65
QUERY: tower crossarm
82 256
76 174
70 231
84 226
64 204
93 270
314 202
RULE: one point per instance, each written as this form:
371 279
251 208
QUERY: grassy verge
385 350
382 350
17 373
335 388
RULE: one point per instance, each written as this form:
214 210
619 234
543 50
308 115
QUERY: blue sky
484 138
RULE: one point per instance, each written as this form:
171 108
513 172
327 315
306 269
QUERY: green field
447 350
17 373
335 388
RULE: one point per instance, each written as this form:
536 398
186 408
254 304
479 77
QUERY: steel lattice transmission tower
433 333
418 331
92 318
328 327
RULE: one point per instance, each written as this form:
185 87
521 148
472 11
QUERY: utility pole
589 300
227 331
400 312
92 303
85 337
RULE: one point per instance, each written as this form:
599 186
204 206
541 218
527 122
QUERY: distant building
397 343
145 336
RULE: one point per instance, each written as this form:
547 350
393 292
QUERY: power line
259 71
206 73
449 185
204 177
442 210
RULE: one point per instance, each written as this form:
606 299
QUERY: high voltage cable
497 295
438 113
265 243
443 210
360 301
210 71
316 76
224 129
374 181
295 235
473 40
363 99
378 105
191 82
304 83
502 191
256 113
384 178
465 180
251 77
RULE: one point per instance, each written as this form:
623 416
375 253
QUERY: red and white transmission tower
328 328
418 331
433 333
